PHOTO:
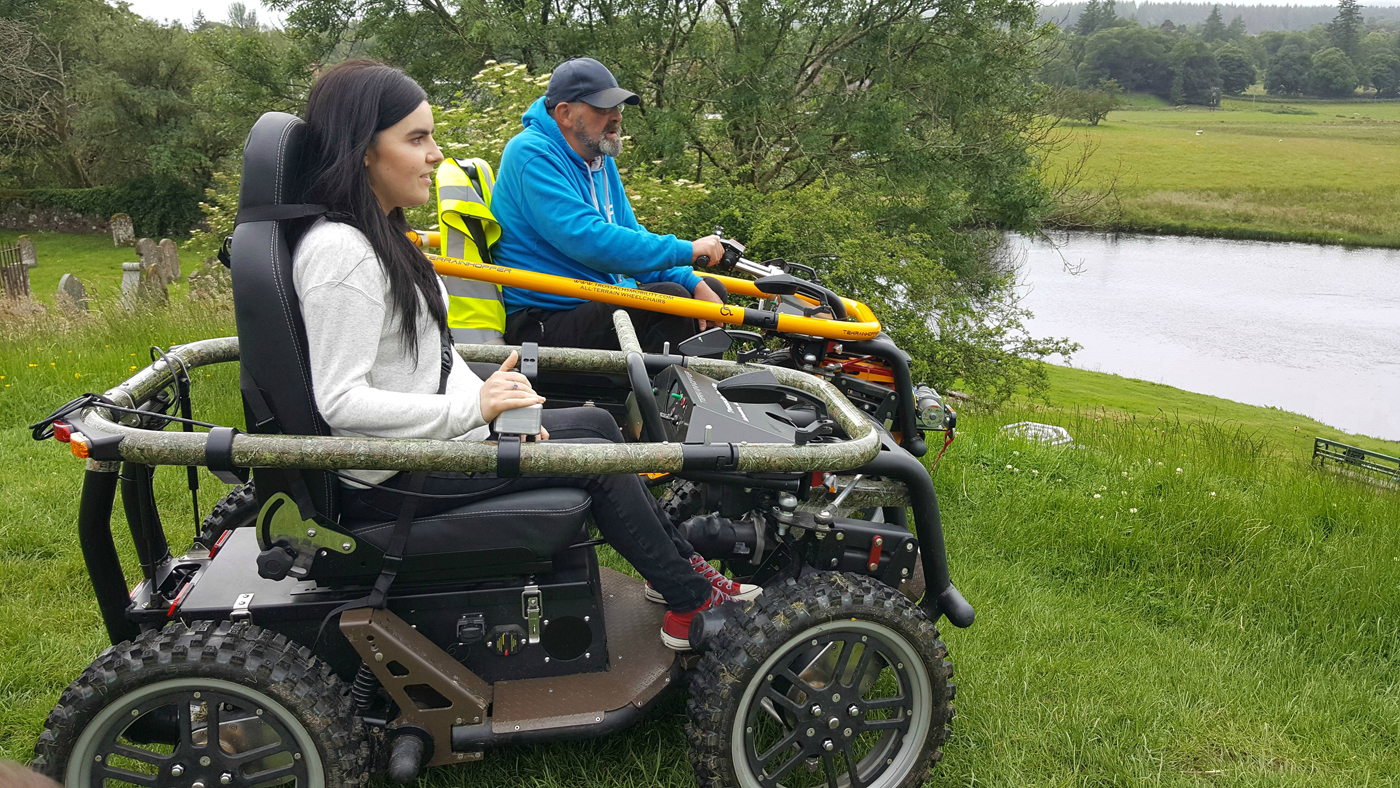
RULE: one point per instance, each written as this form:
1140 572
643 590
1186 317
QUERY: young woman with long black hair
375 313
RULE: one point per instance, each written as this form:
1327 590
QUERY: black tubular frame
940 596
884 348
100 552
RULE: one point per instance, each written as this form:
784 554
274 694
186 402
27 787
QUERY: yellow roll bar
426 239
866 326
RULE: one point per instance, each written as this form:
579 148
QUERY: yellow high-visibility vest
476 311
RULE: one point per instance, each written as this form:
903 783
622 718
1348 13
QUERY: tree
1345 31
1236 30
1332 74
1287 74
1214 28
1236 72
242 17
1097 15
1090 106
1385 74
1194 72
1135 57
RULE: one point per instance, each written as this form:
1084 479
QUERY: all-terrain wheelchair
290 645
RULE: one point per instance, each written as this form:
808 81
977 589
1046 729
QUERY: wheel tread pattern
241 653
762 627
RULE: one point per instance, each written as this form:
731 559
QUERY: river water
1309 329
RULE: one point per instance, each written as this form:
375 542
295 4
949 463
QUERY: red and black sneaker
675 629
740 591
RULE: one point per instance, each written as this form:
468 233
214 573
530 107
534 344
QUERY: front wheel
830 680
214 705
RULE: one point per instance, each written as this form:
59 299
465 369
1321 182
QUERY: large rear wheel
831 680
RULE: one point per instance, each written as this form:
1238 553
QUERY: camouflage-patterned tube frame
152 447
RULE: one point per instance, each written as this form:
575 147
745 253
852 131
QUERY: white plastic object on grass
1045 433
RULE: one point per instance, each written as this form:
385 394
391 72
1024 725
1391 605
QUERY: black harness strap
398 539
277 213
218 456
478 232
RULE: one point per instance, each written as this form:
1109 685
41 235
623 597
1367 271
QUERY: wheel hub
862 680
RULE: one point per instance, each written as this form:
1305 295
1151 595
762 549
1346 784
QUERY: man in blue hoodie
562 209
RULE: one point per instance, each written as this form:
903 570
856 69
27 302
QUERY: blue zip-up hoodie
560 215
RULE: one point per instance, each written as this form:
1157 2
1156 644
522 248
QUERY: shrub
158 206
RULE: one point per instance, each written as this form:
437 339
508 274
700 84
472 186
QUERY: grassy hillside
1175 601
1325 172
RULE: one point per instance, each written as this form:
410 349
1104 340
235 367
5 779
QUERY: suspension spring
363 691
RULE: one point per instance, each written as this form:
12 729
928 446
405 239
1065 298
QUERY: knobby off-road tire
814 676
238 509
143 711
683 500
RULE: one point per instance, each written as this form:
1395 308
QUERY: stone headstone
142 285
26 252
171 257
131 286
71 294
151 256
123 234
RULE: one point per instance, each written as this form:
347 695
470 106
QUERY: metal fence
14 274
1375 462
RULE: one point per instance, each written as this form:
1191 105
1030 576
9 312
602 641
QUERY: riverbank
1258 169
1170 602
1289 435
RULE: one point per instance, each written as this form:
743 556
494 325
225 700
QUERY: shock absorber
364 689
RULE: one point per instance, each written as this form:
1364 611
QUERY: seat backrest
275 366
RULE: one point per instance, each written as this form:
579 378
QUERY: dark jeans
590 325
626 513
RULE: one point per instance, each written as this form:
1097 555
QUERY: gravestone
71 295
151 256
26 252
131 286
123 234
171 257
142 285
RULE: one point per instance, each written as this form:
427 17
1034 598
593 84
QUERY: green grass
91 258
1239 628
1257 170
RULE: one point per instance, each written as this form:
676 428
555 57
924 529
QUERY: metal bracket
240 610
280 521
532 607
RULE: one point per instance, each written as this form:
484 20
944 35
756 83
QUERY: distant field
1326 172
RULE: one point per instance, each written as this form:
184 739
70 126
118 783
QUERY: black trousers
626 513
590 325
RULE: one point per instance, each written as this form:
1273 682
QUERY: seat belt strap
277 213
479 236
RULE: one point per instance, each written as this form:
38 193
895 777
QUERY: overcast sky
217 10
183 10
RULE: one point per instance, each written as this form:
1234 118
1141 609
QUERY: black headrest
276 372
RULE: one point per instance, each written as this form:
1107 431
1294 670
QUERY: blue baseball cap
585 79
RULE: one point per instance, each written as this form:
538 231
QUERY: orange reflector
79 445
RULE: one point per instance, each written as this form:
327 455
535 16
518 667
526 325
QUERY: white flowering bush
480 121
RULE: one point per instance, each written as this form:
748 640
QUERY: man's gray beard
601 143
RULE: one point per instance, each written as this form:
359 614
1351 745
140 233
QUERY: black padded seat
521 533
518 528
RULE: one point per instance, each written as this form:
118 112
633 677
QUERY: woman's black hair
348 107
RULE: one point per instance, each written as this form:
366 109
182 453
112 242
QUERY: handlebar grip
703 259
